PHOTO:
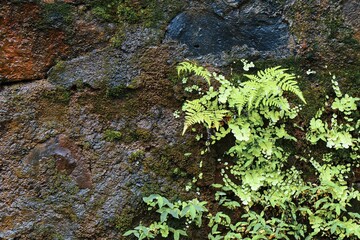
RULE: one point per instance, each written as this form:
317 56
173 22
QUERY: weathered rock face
63 176
33 36
351 13
24 54
80 148
256 24
105 67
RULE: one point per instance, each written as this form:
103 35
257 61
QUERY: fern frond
276 101
287 84
195 112
267 78
252 91
187 67
237 99
252 77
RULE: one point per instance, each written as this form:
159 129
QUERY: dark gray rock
207 32
106 67
97 69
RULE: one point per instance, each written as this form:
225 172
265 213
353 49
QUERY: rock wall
88 90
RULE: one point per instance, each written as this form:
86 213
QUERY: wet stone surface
207 31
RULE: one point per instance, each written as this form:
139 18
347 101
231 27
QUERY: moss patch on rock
146 13
57 15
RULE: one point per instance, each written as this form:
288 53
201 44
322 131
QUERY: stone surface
60 178
215 30
61 175
105 67
351 11
24 53
33 36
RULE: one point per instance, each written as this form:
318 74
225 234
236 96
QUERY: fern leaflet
195 112
187 67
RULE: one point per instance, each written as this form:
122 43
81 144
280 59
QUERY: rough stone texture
351 11
60 175
33 36
321 33
210 31
25 55
105 67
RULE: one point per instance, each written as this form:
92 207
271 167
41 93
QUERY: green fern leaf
195 112
187 67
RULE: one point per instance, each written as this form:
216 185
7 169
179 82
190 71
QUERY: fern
197 113
267 81
263 91
187 67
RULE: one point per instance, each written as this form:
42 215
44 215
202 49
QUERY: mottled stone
67 157
60 177
34 36
26 54
351 11
207 32
106 67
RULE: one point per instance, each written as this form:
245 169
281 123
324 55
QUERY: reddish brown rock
67 156
34 35
25 52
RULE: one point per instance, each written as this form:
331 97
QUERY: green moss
177 172
109 108
146 13
117 92
118 38
112 135
103 9
59 66
59 95
123 221
133 134
136 156
129 12
56 71
63 183
323 36
170 161
57 15
44 231
143 134
103 12
67 212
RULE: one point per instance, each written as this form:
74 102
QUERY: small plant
340 132
112 135
136 156
189 211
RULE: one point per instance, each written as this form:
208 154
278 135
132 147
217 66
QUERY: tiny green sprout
187 154
247 65
176 114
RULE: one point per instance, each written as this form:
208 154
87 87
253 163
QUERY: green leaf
192 211
163 216
333 228
174 213
241 134
128 233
